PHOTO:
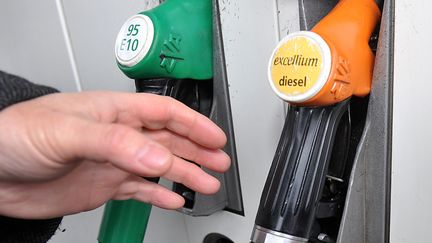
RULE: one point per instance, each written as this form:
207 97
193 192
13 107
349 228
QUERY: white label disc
134 40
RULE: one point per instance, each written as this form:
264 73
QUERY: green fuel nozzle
168 50
173 40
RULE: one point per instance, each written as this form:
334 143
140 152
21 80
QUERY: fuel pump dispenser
176 50
322 74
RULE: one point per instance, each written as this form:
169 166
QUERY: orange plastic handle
347 30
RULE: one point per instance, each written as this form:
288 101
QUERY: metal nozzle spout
262 235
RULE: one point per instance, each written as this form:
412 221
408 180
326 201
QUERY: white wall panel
32 44
166 226
83 227
411 192
93 27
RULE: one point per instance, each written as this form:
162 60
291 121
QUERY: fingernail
215 186
227 162
154 157
222 161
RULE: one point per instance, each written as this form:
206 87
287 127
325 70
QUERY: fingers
192 176
182 172
213 159
137 154
137 110
149 192
157 112
124 147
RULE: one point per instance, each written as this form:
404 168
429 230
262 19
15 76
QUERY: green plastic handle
173 40
124 222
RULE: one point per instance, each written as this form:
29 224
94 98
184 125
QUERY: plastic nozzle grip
294 184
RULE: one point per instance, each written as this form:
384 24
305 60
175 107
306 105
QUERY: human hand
67 153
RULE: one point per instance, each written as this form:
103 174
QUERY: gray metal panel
229 196
32 44
93 27
367 210
312 11
249 34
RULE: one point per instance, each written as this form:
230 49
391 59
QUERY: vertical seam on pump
277 22
278 37
187 228
390 6
68 43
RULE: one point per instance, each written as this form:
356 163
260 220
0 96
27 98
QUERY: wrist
14 89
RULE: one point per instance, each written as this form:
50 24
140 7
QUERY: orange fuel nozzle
330 63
